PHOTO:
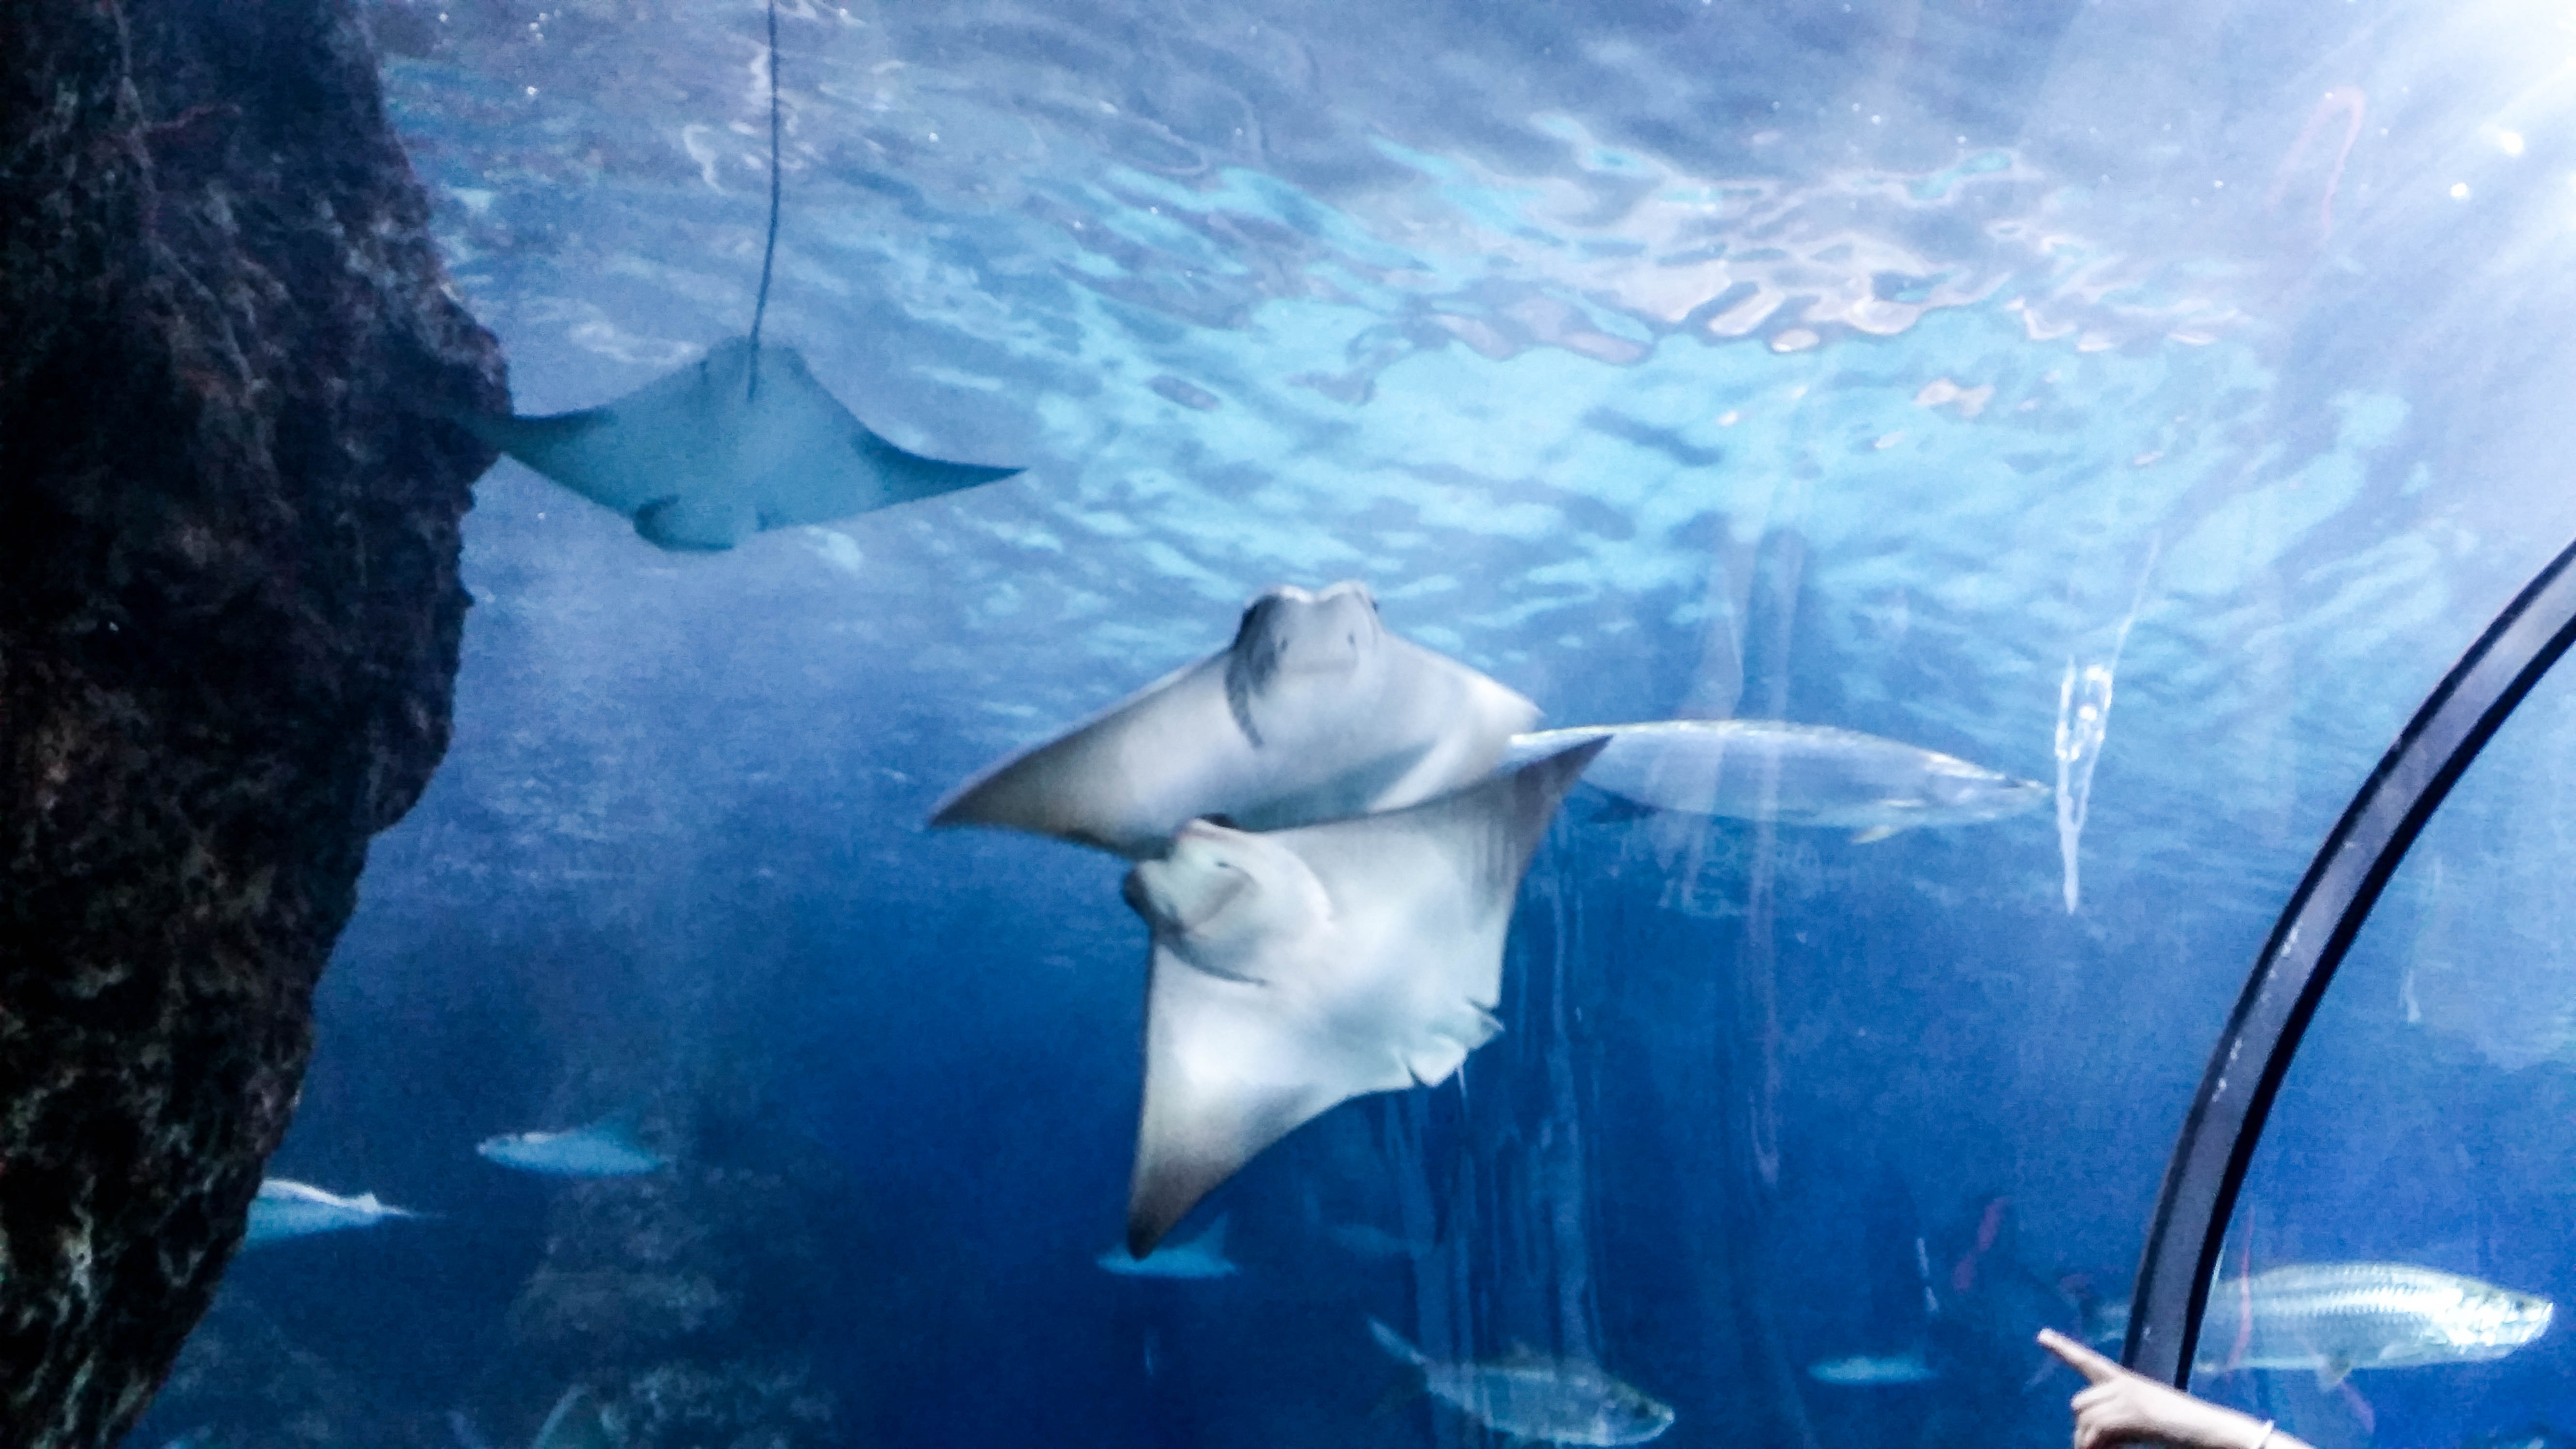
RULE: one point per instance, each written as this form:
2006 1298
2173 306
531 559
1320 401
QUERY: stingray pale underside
703 458
1316 711
1297 969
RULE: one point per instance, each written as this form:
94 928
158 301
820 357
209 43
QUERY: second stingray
1298 969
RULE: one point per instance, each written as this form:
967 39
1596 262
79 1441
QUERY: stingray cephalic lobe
1297 969
715 452
1316 711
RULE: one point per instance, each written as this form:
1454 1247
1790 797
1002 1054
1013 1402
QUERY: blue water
1868 365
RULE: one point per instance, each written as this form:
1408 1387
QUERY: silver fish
285 1209
605 1148
1532 1398
1874 1370
1795 774
2332 1318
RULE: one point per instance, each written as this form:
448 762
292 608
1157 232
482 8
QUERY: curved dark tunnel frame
2316 929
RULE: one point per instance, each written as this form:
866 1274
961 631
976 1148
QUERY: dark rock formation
229 615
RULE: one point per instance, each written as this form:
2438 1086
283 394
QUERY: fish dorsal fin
1212 1242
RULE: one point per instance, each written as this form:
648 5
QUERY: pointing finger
2085 1361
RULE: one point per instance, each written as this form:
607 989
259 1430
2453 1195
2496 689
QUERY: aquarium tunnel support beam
2308 943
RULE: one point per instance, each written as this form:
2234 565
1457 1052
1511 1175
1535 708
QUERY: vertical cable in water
769 250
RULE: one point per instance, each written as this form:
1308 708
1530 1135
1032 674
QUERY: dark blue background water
1607 343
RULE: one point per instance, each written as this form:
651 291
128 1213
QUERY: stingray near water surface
1297 969
1316 711
725 447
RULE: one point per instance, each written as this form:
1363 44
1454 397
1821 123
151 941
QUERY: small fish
1874 1369
1536 1399
1200 1257
605 1148
1795 774
286 1209
2333 1318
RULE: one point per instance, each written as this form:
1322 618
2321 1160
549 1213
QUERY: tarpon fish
1874 1370
2333 1318
605 1148
1794 774
285 1209
1535 1399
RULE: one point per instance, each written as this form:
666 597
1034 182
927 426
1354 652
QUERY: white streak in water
2083 717
2083 721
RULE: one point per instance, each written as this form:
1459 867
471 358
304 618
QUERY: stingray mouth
1189 887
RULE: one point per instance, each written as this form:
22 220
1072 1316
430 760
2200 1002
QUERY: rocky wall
229 615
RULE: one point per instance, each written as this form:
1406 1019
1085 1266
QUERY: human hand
2119 1407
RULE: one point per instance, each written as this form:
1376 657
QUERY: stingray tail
1396 1347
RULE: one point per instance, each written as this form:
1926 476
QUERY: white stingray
1316 711
1300 968
713 453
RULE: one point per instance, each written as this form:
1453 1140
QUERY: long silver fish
1531 1398
285 1209
2332 1318
1796 774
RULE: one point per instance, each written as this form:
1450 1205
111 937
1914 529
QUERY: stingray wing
1229 1069
671 438
1123 780
1425 896
1397 992
813 462
583 451
907 477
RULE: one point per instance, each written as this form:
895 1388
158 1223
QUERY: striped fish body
1547 1401
2333 1318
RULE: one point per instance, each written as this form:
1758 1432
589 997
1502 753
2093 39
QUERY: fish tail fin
1393 1342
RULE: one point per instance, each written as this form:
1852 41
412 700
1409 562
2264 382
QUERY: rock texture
229 615
688 1301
